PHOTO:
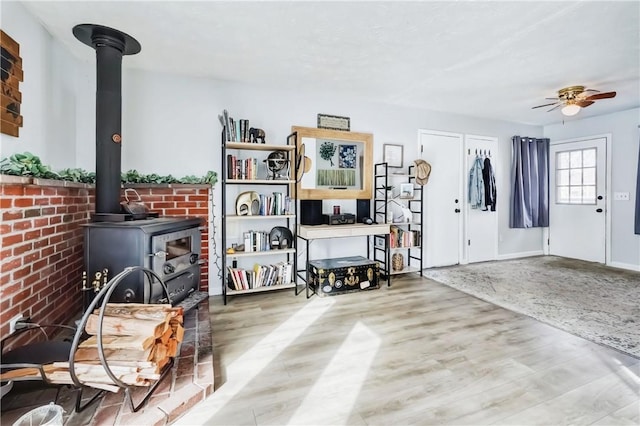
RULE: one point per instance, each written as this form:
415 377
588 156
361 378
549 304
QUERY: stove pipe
110 46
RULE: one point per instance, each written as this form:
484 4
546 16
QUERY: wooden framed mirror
338 164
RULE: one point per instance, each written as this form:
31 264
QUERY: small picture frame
334 122
392 155
406 190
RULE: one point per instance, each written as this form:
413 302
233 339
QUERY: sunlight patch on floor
255 359
333 396
634 377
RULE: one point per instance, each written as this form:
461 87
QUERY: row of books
235 130
256 241
238 168
399 237
261 276
275 204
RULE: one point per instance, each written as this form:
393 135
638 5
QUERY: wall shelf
261 289
260 217
275 252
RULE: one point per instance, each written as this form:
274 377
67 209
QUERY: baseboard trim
627 266
520 254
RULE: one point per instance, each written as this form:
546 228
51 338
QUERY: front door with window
577 211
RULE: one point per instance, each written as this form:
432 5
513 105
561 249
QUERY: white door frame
607 193
461 252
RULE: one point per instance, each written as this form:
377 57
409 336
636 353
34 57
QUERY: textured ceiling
484 59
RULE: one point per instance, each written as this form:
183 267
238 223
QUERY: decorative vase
397 262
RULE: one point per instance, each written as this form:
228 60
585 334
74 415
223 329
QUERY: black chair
50 344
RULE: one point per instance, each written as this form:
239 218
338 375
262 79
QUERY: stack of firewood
138 341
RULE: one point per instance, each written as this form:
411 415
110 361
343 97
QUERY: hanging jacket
476 185
489 185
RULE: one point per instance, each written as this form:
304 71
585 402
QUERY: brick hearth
189 382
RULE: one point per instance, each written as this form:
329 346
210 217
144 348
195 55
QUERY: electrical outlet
13 322
621 196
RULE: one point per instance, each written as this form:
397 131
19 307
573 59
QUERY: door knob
599 210
599 197
457 210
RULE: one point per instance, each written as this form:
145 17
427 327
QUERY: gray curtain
637 231
529 183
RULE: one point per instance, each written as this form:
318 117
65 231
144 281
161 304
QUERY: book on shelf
234 130
242 169
227 127
256 241
275 204
399 237
267 275
242 130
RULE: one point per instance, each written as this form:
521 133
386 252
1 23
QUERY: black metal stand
104 295
381 244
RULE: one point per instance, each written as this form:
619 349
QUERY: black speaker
363 210
311 212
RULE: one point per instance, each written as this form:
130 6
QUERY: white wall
170 123
50 92
623 127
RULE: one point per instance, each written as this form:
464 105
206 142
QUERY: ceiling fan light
571 109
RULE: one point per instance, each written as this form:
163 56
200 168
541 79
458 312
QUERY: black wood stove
117 239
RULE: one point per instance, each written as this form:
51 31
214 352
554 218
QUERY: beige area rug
593 301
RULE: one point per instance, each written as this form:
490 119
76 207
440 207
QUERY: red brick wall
41 249
41 242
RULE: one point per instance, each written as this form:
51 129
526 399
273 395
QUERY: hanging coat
489 185
476 185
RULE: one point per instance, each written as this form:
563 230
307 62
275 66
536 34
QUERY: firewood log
114 342
141 311
115 326
116 355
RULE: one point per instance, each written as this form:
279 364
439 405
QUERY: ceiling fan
574 98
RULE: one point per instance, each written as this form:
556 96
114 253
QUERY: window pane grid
576 177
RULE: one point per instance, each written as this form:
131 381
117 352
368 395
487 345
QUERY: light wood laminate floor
416 353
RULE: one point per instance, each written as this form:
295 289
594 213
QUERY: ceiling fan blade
605 95
555 107
584 103
540 106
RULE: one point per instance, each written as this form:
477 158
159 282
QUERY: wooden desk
317 232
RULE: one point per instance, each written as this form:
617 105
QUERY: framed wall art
334 122
393 155
12 75
340 164
406 190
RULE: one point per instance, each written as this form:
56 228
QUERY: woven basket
397 262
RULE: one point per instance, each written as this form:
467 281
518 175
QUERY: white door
442 197
481 224
577 207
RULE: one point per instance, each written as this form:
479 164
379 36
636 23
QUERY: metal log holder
47 349
103 298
